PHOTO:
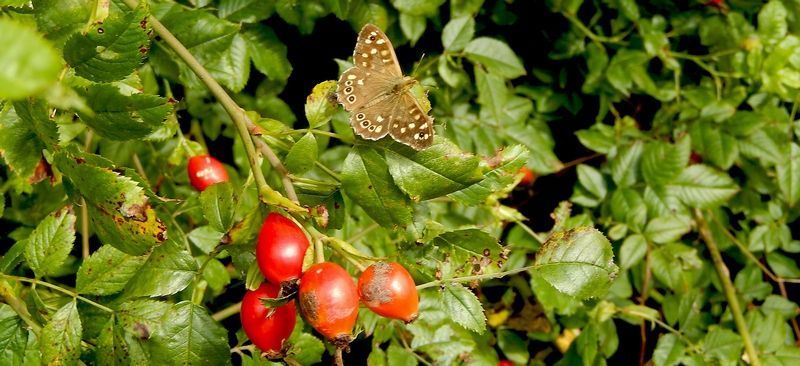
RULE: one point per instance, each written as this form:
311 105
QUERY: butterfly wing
410 125
372 120
375 53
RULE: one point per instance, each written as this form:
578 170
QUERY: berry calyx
267 328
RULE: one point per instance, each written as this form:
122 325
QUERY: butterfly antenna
416 67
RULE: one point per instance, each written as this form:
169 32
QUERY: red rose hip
388 290
280 249
205 171
267 332
329 302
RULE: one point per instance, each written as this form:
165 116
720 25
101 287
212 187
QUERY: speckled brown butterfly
378 96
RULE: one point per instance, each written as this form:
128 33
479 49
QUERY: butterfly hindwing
372 121
410 125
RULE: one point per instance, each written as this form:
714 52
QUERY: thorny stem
728 288
473 278
237 114
59 289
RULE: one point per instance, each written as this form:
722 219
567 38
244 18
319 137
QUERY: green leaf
495 180
268 52
218 205
665 229
629 9
493 94
399 356
20 147
321 104
30 63
772 24
123 117
302 155
34 112
464 307
673 264
669 350
457 33
188 336
120 212
783 266
61 338
433 172
50 243
17 344
110 50
107 271
723 345
413 26
112 349
578 262
702 186
789 175
247 11
632 251
306 349
467 252
716 146
418 7
591 179
513 346
625 165
367 181
496 56
169 269
663 162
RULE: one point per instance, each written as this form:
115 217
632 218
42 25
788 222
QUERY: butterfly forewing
377 96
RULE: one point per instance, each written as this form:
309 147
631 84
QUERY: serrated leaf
169 269
218 206
110 50
578 262
413 26
418 7
321 103
496 179
306 349
789 175
50 243
663 162
703 187
434 172
665 229
123 117
30 63
20 147
107 271
632 251
718 147
367 181
120 212
248 11
34 112
112 349
467 252
188 336
669 350
61 337
17 344
267 52
723 345
464 307
302 155
457 33
496 56
625 165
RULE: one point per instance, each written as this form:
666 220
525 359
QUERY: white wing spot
384 53
424 126
386 60
395 125
361 82
379 119
403 130
364 64
373 33
367 41
378 130
380 41
364 55
417 117
374 51
351 77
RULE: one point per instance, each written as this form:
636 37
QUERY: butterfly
378 96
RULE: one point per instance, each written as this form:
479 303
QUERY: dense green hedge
659 225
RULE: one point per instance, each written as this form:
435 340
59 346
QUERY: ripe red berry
505 363
329 301
267 332
387 289
527 176
204 171
281 248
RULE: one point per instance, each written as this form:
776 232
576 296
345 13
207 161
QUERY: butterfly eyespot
351 98
372 37
360 116
348 90
371 128
421 135
365 123
348 82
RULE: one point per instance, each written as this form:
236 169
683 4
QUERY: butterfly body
378 95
